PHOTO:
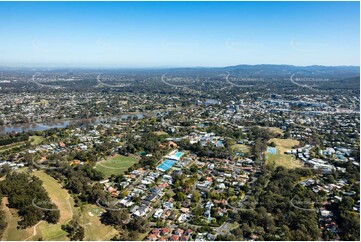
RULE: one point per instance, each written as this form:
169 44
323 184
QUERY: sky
178 34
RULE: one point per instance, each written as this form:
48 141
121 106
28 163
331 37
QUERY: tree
180 196
74 229
238 233
196 197
3 223
140 225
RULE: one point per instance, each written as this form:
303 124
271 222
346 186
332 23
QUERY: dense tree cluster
129 228
81 181
13 138
271 216
349 220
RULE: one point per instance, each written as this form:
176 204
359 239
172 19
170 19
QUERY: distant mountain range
239 70
277 70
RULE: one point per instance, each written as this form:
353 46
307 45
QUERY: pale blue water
271 150
178 154
166 165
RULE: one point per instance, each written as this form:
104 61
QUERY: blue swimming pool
166 165
178 154
271 150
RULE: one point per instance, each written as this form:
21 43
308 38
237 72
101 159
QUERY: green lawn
115 165
11 146
35 140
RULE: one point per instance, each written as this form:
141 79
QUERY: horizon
165 67
178 34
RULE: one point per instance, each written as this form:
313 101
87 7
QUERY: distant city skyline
178 34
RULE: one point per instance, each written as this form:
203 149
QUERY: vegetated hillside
345 83
262 70
282 70
266 70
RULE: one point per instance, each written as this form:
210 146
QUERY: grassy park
282 159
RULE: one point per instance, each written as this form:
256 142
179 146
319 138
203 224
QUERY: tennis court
271 150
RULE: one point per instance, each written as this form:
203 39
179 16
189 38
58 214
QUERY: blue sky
155 34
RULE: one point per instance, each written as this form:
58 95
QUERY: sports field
282 159
115 165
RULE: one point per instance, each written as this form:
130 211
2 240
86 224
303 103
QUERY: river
5 129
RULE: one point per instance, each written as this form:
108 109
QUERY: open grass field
240 148
159 133
284 144
11 146
12 232
276 130
115 165
35 140
94 229
281 159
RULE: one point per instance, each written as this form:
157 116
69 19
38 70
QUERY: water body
5 129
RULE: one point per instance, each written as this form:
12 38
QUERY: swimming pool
178 154
271 150
166 165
